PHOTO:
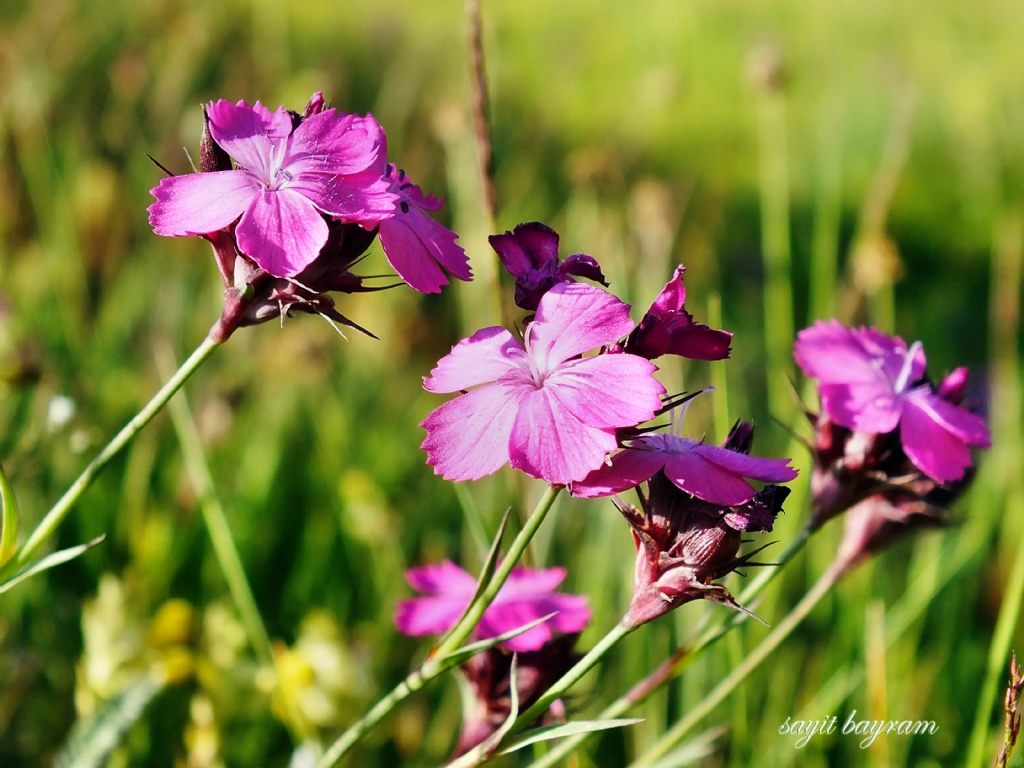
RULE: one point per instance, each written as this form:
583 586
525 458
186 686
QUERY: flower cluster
302 201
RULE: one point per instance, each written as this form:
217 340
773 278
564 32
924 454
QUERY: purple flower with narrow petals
528 595
684 544
416 245
542 407
712 473
530 254
286 177
668 329
872 383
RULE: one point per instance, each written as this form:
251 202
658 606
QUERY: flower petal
334 143
249 134
573 318
413 242
628 469
200 203
693 473
441 578
483 357
511 254
865 407
608 390
420 616
582 265
754 467
540 242
282 232
527 581
549 443
969 427
362 198
468 437
698 342
934 450
835 354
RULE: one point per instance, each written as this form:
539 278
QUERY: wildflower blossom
712 473
286 176
416 245
873 383
542 407
684 544
530 254
668 329
528 595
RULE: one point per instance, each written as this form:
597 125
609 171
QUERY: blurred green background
870 153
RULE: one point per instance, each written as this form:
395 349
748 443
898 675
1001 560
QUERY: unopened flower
488 676
530 254
684 544
712 473
416 245
542 407
668 329
527 596
874 383
286 177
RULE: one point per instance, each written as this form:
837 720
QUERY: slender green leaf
549 732
696 749
8 520
469 651
94 738
50 561
486 572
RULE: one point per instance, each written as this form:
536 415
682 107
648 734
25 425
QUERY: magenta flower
285 178
414 243
528 595
543 408
668 329
871 382
530 254
709 472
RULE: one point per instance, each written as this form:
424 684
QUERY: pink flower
530 254
528 595
668 329
285 179
414 243
871 382
709 472
545 409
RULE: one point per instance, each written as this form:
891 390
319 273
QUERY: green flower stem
782 630
571 677
441 660
999 651
217 525
60 510
679 660
462 630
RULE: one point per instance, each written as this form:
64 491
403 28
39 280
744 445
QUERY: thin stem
441 659
781 631
217 525
571 677
462 630
678 661
60 510
481 109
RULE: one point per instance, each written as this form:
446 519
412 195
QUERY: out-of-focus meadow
875 150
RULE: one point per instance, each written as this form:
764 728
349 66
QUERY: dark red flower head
530 254
488 674
684 544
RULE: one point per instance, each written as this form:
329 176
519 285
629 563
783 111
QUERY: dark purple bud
488 675
668 329
211 156
315 105
953 386
741 437
530 254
